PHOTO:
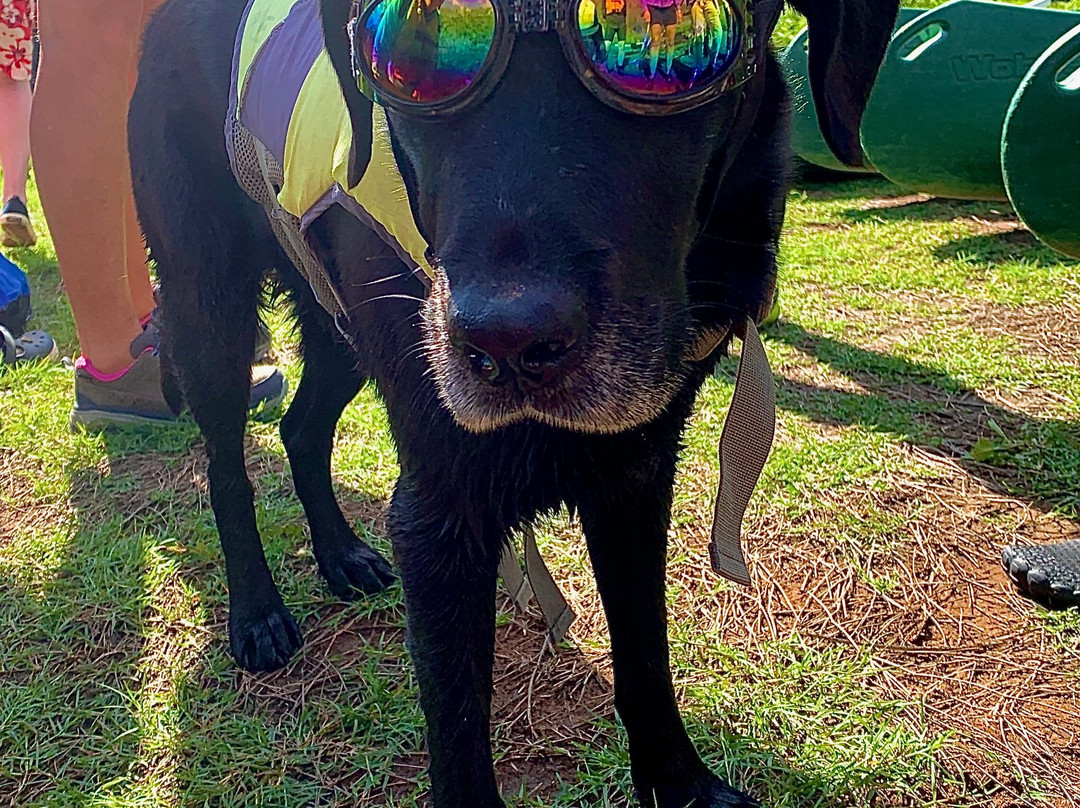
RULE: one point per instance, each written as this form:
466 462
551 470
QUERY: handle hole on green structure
1068 77
922 40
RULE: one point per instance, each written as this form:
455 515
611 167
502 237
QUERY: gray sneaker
136 397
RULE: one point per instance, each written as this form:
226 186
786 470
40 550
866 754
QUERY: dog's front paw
354 569
263 638
713 793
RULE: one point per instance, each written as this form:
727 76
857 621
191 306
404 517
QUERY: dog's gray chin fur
620 386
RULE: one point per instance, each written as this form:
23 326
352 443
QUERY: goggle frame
542 16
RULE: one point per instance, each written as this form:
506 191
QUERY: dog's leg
329 383
449 578
625 517
209 337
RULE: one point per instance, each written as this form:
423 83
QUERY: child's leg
656 35
14 136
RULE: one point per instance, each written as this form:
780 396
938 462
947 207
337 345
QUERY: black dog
551 363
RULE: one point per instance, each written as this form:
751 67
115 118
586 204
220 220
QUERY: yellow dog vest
289 134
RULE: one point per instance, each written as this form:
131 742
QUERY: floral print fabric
16 35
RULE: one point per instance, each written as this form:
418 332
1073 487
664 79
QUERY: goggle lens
676 51
427 51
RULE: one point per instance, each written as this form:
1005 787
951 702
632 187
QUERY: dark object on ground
1049 573
27 347
546 366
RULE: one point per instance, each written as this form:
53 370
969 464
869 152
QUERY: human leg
656 34
138 272
83 172
669 46
16 28
14 135
15 227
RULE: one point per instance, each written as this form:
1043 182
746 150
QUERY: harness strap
536 581
745 444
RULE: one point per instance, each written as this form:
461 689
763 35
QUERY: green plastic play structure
1040 146
806 139
935 117
974 100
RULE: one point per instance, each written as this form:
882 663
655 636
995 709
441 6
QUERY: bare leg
14 136
138 273
669 43
656 33
79 137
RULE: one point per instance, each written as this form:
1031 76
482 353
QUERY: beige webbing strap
536 580
744 447
513 577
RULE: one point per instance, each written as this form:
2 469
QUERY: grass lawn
928 372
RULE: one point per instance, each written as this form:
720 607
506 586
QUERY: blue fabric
14 296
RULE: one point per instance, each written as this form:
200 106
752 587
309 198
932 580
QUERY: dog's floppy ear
847 43
335 24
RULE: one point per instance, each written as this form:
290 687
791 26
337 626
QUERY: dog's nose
531 335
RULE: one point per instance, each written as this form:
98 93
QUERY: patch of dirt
1047 331
948 630
1005 224
1042 331
983 220
824 227
894 202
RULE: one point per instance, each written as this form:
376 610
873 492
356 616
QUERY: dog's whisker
738 242
380 280
410 352
413 298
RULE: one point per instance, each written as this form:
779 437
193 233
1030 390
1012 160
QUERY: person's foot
29 346
1048 573
15 227
134 396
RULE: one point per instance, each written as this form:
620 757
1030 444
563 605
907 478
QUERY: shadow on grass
69 665
997 248
1034 458
129 695
901 206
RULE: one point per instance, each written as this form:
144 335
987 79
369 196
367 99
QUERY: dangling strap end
728 562
744 447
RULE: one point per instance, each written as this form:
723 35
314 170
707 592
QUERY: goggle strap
537 16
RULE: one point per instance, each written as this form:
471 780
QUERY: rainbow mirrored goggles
435 57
